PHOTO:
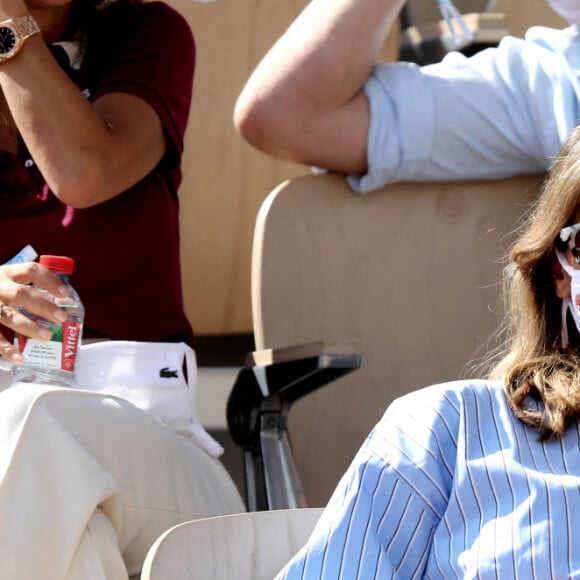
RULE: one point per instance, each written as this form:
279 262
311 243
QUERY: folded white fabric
151 375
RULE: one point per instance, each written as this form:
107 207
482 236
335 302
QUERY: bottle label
60 352
71 335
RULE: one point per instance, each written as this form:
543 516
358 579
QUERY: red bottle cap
58 264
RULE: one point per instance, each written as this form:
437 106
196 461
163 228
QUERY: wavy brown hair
542 379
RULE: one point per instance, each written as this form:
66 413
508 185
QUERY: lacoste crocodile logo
165 373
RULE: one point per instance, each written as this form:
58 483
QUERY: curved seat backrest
409 273
247 546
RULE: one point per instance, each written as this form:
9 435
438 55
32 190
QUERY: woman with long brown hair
479 478
541 356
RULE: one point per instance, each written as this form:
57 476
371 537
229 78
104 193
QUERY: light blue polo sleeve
502 112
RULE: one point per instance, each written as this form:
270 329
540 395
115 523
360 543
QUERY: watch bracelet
26 25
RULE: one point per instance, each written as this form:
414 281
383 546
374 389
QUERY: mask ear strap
566 304
564 263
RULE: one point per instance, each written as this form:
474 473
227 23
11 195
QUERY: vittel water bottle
53 362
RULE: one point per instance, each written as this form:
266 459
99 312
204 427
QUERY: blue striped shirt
450 484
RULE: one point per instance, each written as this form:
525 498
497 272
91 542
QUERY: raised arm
304 102
86 152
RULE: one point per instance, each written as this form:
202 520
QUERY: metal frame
257 413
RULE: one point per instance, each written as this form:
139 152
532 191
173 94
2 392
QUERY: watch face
7 40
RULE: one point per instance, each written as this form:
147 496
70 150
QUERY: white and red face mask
568 9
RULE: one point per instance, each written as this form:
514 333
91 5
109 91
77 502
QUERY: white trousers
88 482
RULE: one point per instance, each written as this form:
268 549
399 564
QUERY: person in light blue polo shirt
479 478
318 98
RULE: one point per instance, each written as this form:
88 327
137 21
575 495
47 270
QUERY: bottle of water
53 362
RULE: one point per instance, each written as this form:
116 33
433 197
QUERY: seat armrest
272 379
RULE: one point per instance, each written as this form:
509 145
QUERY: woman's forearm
86 152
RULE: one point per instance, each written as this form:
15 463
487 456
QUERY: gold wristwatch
13 34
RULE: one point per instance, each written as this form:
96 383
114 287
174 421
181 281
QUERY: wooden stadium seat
409 274
250 546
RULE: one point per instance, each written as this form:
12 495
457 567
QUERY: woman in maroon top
90 151
94 103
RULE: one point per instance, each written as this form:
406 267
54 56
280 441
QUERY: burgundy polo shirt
126 250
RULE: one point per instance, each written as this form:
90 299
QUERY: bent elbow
267 125
249 123
76 196
80 190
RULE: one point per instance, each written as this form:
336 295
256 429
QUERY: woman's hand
15 291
